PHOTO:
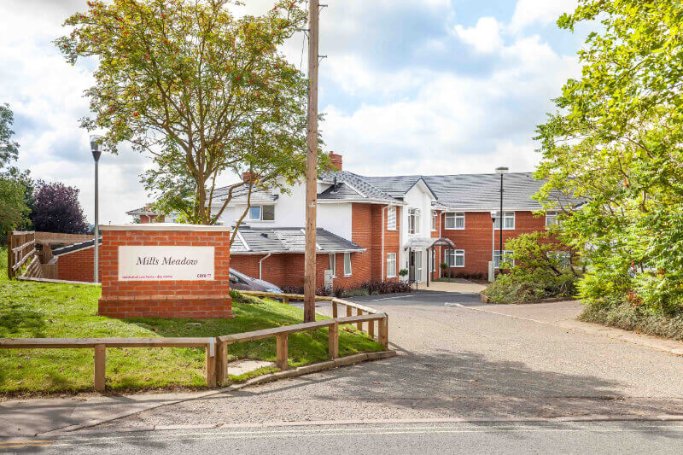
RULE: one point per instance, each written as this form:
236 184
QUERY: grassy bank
29 309
629 317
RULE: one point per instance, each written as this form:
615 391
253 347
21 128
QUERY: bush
628 316
367 288
526 287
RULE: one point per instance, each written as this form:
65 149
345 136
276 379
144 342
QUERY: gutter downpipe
260 265
381 259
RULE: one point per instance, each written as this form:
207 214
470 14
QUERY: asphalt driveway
460 359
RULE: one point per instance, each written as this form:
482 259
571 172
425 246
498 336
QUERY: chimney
249 177
337 161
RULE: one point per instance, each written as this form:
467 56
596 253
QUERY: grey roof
287 240
477 192
353 187
74 247
146 210
482 191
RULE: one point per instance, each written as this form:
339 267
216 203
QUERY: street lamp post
501 217
96 153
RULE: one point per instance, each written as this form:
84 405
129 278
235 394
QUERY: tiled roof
354 187
287 240
74 247
146 210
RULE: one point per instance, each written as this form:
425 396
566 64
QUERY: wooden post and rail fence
216 349
21 252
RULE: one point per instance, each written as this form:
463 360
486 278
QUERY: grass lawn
42 310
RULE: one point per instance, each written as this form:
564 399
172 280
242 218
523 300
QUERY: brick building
397 222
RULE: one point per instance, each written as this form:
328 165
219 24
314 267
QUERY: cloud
543 12
484 37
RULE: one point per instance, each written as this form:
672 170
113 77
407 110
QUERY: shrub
541 271
628 316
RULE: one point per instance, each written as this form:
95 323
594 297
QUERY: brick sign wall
168 271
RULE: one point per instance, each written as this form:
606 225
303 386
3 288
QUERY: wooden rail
364 315
216 349
100 346
21 252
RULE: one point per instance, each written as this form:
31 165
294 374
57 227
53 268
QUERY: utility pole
312 164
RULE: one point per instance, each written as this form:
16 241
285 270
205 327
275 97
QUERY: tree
57 209
615 142
199 89
15 186
9 149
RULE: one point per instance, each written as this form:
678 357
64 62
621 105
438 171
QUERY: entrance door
411 266
418 266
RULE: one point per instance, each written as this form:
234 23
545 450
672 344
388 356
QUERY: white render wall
418 197
290 211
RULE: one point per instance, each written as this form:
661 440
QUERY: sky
408 87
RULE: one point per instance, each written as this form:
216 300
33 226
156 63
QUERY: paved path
459 360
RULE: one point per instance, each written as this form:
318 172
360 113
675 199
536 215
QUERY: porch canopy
443 242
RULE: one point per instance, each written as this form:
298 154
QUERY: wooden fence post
333 342
100 367
210 350
221 363
334 310
10 255
349 311
281 350
384 332
371 329
359 325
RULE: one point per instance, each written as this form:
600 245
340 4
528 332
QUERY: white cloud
543 12
484 37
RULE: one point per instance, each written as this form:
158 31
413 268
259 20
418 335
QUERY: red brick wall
76 266
475 239
167 299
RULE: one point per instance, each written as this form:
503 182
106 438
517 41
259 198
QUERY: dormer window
262 213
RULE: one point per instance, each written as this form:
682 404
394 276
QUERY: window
507 257
508 221
433 264
413 221
564 258
455 220
391 219
391 265
435 216
262 213
333 264
550 219
347 264
455 258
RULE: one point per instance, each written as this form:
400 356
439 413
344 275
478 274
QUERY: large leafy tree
201 90
15 190
56 209
616 142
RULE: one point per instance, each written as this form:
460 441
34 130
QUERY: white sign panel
166 263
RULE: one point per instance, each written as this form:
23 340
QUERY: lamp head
96 147
502 170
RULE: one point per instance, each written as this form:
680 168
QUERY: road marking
361 431
392 298
458 305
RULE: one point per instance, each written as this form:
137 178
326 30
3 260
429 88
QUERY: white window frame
391 218
391 259
507 216
435 215
550 219
452 258
260 208
414 221
496 263
349 271
333 263
454 216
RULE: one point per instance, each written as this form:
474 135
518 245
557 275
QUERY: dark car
241 282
